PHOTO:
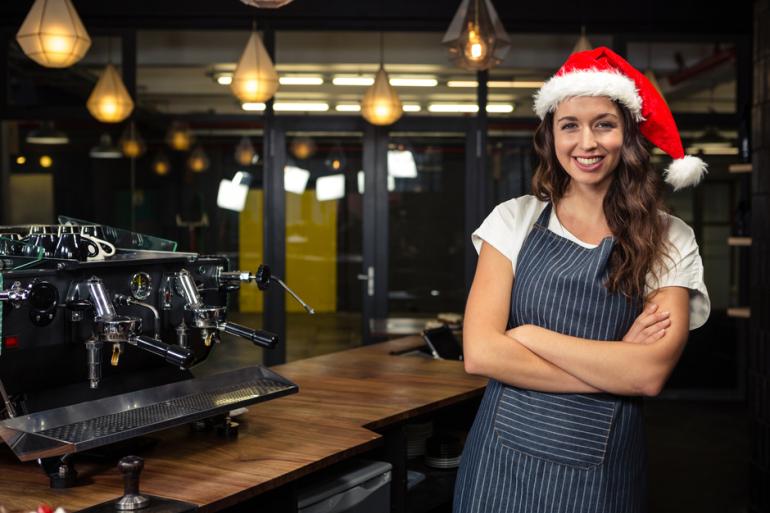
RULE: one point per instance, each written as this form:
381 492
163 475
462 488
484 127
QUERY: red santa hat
602 72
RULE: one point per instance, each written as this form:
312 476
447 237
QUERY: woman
581 302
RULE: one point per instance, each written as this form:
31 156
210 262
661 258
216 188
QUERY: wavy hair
632 205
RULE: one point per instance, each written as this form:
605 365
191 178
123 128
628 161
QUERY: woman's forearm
618 367
500 357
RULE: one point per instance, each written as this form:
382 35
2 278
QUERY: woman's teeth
588 162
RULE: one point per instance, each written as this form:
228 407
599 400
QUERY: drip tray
92 424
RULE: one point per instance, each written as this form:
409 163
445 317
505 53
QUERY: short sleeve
684 268
495 232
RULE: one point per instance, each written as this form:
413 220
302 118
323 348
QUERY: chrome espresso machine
101 332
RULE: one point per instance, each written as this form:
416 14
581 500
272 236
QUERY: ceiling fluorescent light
499 108
352 81
515 84
413 82
297 80
412 108
301 106
453 107
353 107
253 106
225 80
462 83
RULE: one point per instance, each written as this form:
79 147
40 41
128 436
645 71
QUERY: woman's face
588 136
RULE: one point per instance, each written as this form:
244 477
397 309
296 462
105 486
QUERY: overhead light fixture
380 104
302 147
498 84
131 143
224 80
255 78
295 179
330 187
476 37
45 161
453 107
53 35
253 106
105 149
335 161
340 80
301 80
21 160
500 108
110 102
160 164
348 107
47 134
411 107
179 137
583 43
266 4
462 83
245 154
301 106
413 82
198 161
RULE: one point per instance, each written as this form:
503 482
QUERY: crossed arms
539 359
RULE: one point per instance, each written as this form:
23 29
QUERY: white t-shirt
510 223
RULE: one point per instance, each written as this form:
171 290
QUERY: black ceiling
655 17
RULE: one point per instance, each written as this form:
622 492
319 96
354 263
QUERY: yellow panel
250 249
311 251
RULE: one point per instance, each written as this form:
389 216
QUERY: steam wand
262 279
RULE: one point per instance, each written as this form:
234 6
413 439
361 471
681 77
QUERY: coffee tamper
132 500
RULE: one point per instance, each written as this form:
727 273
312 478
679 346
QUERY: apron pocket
570 429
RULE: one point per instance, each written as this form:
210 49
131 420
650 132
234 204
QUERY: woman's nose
587 139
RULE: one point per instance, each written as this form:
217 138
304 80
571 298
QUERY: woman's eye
567 126
606 125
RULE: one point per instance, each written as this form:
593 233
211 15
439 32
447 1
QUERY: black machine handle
175 355
79 305
258 337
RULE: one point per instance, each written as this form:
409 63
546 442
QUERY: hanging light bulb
336 159
179 136
245 154
105 149
53 35
198 161
380 104
302 147
109 101
476 37
131 143
160 164
255 78
583 43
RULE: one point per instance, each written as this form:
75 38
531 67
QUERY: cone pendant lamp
255 78
109 101
583 43
53 35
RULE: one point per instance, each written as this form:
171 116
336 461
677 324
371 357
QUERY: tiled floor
698 449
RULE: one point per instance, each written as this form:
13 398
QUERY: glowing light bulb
21 160
476 48
46 161
336 164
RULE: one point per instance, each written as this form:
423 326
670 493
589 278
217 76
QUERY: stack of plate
443 451
416 435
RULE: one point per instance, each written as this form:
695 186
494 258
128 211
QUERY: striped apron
534 452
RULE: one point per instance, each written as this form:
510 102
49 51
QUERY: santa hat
602 72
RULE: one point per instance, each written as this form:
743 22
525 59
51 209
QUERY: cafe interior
305 175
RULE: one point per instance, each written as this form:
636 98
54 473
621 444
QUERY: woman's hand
649 327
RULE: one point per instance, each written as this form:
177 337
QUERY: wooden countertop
343 397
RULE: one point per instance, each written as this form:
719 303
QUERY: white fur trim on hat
592 82
684 172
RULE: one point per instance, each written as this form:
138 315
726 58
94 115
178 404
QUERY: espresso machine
102 347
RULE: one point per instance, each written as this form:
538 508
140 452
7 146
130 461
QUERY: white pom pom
684 172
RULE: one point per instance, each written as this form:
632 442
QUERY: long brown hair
631 205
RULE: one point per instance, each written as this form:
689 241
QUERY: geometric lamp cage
476 37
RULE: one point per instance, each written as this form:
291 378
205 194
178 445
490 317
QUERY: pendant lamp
53 35
105 149
583 43
198 161
179 137
381 104
131 143
255 78
335 161
109 101
302 147
476 37
245 154
160 164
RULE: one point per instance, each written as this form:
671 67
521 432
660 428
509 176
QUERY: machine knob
132 500
175 355
258 337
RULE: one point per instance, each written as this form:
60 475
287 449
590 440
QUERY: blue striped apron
533 452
